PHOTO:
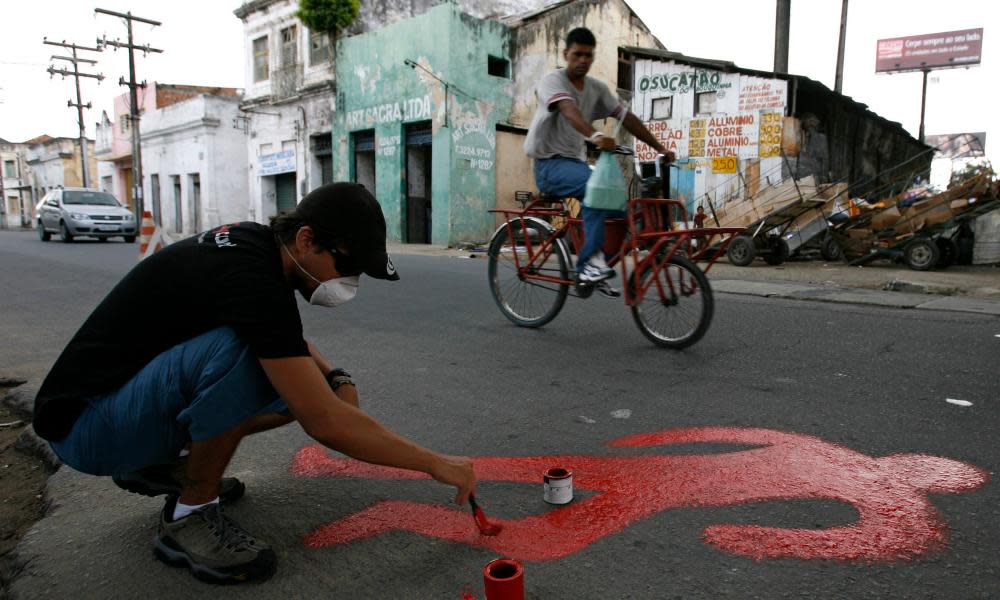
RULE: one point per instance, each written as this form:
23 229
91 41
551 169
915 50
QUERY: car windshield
91 198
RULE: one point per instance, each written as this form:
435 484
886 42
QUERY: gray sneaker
212 546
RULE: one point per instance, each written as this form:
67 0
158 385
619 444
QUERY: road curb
792 291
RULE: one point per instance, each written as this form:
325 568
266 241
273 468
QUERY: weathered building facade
16 195
56 162
417 121
437 129
287 106
737 130
194 162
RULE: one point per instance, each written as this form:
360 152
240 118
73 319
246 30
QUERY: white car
72 212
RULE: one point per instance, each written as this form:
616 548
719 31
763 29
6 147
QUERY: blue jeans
196 390
567 178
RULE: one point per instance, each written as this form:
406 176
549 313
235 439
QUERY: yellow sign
724 164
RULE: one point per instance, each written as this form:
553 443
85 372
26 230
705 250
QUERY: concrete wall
538 47
197 136
377 90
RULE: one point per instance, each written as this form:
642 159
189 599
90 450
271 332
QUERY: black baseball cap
348 213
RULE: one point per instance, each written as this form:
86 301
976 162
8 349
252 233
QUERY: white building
194 163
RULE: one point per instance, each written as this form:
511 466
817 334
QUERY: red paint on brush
486 527
896 520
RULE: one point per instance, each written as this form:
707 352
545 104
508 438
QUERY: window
663 108
260 59
498 67
154 193
289 46
9 168
319 48
704 103
125 122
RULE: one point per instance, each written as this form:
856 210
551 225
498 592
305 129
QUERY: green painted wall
377 90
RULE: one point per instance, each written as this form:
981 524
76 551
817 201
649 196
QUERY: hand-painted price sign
896 519
724 164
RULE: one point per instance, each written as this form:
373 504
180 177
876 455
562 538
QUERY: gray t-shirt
552 135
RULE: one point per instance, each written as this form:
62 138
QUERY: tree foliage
328 15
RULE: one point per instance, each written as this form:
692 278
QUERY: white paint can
558 485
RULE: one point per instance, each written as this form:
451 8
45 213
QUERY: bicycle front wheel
525 301
677 307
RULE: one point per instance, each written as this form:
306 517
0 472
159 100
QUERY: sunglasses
347 265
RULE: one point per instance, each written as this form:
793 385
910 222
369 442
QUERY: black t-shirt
229 276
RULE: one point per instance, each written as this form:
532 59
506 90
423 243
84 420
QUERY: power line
134 114
77 74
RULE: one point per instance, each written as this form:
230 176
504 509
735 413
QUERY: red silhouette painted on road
895 518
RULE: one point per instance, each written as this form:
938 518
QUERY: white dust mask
330 293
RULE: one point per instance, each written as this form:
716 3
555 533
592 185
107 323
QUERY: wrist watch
337 378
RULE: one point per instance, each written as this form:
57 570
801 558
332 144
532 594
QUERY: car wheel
42 234
129 239
64 233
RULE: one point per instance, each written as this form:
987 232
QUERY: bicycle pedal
584 290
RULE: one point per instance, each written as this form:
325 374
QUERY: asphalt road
796 401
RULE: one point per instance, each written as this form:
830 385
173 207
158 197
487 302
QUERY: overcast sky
203 44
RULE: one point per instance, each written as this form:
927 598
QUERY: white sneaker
592 271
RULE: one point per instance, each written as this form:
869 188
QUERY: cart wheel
949 252
741 251
778 251
677 307
830 250
527 302
921 254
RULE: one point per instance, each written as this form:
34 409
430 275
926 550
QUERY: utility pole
782 24
838 80
75 61
133 98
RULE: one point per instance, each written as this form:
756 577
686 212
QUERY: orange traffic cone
145 233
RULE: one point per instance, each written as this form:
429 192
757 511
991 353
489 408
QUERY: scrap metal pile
922 232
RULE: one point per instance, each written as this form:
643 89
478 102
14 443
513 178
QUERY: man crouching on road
222 356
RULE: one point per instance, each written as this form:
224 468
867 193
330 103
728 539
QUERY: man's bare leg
209 458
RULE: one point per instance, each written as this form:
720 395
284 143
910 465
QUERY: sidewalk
973 289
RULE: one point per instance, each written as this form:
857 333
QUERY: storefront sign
770 134
276 163
684 81
413 109
726 164
761 94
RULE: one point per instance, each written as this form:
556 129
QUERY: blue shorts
562 177
197 390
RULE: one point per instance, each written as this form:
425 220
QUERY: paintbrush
486 527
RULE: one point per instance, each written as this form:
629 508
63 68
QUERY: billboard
932 51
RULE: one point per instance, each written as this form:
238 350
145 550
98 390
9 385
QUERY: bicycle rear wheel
677 309
527 302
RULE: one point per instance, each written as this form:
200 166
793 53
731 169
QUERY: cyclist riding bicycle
568 102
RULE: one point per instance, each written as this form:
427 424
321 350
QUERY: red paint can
504 579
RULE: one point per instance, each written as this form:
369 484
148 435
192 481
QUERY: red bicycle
531 272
